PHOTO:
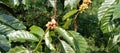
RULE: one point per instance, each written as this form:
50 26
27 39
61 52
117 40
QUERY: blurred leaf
80 42
19 49
52 2
7 8
48 41
37 30
116 37
6 2
11 21
68 14
67 23
4 44
116 13
107 25
72 3
21 36
67 48
115 40
105 14
65 35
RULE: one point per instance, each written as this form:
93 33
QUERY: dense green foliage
95 29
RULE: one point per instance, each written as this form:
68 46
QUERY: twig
76 22
55 9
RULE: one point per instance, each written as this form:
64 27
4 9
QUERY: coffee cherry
52 24
87 2
83 7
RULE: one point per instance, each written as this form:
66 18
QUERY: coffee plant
59 26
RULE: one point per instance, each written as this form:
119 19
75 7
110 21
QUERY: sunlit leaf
21 36
48 41
67 48
37 30
68 14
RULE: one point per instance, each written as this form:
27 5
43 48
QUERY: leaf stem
34 51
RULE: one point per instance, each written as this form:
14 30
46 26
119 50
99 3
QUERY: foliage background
39 12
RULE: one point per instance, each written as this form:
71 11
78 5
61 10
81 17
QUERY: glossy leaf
68 14
4 29
11 21
67 48
48 41
4 44
21 36
37 30
65 35
80 42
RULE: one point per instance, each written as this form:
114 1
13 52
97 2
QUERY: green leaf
72 3
105 15
4 44
80 42
65 35
11 21
7 7
48 41
6 2
21 36
5 29
67 48
116 13
107 25
106 5
70 13
67 23
37 30
115 38
19 49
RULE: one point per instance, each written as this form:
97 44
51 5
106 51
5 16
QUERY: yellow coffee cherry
83 7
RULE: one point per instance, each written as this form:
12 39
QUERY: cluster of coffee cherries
52 24
84 5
